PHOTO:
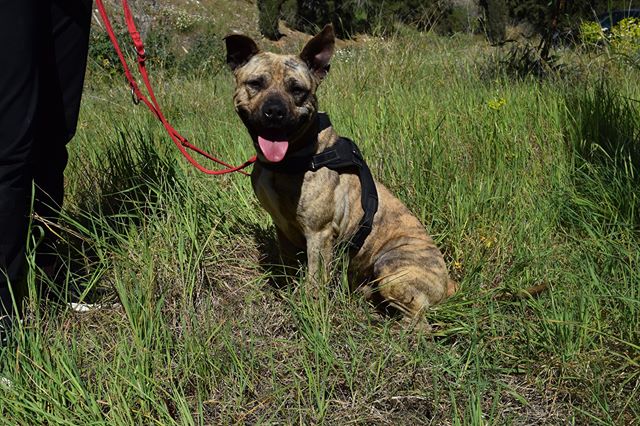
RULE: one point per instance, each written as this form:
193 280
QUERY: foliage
447 17
362 16
534 12
539 13
160 49
204 54
591 33
102 55
625 37
311 15
200 52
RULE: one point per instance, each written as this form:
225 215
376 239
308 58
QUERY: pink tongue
274 151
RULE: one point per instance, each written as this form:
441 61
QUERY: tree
495 12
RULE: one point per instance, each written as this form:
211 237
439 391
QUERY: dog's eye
298 91
255 83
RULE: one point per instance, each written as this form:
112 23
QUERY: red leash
180 141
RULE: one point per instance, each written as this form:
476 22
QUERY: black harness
342 157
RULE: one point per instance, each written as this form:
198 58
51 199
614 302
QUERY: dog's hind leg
412 294
411 284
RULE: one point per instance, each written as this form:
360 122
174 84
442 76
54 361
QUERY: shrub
268 17
313 14
625 37
102 55
458 19
539 13
534 12
521 61
159 49
362 16
178 18
591 33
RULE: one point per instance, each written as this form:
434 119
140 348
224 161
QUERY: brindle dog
399 265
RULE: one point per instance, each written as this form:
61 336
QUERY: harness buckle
323 159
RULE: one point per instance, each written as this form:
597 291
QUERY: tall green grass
193 329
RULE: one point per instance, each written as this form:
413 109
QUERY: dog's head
275 94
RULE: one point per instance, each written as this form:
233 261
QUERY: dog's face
275 94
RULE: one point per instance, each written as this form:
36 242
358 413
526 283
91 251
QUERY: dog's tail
452 287
526 293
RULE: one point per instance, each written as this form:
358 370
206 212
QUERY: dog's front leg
319 257
290 255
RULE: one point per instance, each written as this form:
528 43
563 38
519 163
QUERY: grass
194 330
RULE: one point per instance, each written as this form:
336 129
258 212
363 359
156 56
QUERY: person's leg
18 101
62 67
45 46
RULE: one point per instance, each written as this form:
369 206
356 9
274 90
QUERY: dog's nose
274 110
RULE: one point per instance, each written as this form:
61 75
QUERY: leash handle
151 102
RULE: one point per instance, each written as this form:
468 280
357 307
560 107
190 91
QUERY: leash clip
140 52
134 97
142 55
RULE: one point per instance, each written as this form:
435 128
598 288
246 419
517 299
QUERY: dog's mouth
273 150
276 142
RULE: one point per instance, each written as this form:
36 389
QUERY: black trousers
44 47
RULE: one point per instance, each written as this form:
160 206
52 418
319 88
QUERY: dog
314 209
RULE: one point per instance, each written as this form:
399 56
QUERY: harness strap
341 157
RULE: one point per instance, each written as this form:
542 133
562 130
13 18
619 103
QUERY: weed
604 132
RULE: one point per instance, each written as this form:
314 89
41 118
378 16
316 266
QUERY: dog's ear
240 49
318 51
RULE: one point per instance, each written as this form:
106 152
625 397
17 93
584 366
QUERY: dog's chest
279 197
296 203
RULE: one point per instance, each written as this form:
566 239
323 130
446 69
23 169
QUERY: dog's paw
416 324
